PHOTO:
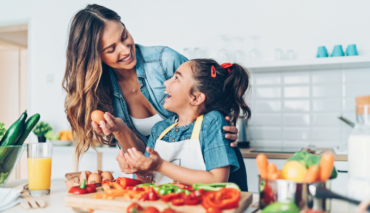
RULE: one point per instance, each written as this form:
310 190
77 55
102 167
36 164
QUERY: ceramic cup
322 52
337 51
351 50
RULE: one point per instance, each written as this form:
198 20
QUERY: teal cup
351 50
322 52
337 51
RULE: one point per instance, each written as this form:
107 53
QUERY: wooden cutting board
119 204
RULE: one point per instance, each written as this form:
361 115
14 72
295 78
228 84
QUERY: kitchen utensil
32 204
289 191
9 160
325 193
39 168
322 52
351 50
337 51
345 120
87 201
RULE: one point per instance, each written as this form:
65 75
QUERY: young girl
190 147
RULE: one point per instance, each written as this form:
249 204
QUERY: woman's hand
123 165
112 125
234 133
137 160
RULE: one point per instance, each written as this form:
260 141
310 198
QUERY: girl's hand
232 129
124 166
112 125
138 161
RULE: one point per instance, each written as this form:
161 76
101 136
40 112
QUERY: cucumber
11 136
30 124
14 132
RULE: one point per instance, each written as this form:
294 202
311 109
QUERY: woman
106 70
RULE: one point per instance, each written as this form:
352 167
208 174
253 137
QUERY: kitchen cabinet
338 185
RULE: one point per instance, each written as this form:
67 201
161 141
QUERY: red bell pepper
168 197
152 194
178 202
226 198
128 181
193 201
83 188
134 188
144 197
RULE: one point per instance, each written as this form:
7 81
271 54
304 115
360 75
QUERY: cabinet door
339 185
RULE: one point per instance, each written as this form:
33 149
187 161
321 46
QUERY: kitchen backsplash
301 108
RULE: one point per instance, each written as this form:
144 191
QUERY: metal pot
289 191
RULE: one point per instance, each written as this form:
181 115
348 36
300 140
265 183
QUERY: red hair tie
213 72
226 66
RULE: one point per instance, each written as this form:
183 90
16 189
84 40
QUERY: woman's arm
124 135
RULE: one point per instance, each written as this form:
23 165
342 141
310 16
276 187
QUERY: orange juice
39 173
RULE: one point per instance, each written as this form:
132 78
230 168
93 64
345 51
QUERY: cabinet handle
342 171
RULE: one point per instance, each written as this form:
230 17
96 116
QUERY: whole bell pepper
83 188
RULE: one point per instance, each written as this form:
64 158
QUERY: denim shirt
154 66
215 147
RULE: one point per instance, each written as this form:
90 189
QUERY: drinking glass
39 168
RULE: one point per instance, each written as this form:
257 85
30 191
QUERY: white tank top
144 126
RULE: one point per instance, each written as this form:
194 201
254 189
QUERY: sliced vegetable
127 181
170 196
226 198
262 164
152 195
144 197
178 202
326 166
215 186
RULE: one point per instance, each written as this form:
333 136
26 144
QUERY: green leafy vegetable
52 135
42 128
308 160
2 130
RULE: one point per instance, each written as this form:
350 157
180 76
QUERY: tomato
213 210
178 202
151 209
169 211
134 207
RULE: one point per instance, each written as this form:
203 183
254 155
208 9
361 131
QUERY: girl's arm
124 135
191 176
154 162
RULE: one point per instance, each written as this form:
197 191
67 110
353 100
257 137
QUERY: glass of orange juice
39 168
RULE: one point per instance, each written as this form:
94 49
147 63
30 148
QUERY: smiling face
178 87
117 46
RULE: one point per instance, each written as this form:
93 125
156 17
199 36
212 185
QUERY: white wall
299 25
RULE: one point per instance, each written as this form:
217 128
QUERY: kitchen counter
248 154
55 201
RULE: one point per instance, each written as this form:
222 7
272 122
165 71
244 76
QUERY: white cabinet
338 185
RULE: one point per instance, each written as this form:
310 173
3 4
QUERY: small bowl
61 143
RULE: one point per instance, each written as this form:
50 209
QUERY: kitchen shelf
311 64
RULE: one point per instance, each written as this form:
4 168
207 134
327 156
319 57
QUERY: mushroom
107 176
94 178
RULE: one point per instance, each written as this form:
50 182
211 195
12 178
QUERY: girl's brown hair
224 92
86 79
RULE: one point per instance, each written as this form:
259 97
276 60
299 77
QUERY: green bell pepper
215 186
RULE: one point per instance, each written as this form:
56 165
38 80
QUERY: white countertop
55 201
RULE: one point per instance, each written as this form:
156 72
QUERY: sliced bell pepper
152 195
144 197
226 198
134 188
215 186
178 202
170 196
128 182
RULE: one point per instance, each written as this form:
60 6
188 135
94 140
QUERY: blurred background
296 98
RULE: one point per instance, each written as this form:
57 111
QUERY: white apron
187 153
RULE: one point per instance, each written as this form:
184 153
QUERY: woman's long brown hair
86 79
